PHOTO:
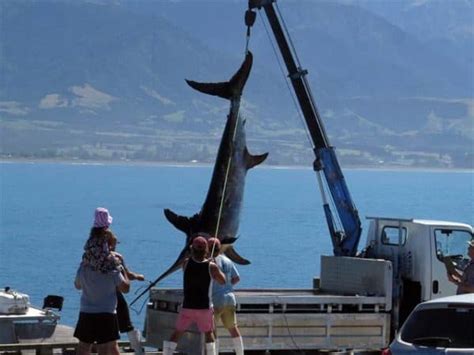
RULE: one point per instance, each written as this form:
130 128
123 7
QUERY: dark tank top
197 285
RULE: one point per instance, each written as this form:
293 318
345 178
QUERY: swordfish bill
220 214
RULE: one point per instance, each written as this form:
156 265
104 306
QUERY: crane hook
250 17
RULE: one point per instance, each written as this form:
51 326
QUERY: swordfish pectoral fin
228 240
236 258
254 160
232 88
181 223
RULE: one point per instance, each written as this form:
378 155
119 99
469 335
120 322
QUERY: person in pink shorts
199 273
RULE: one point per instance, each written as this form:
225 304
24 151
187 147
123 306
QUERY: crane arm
344 242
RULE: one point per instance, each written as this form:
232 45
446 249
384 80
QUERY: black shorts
97 328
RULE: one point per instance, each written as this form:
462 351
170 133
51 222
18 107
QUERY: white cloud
419 2
470 107
103 2
175 116
328 113
52 101
434 123
13 108
154 94
88 97
469 103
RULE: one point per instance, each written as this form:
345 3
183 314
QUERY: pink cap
102 218
199 243
215 241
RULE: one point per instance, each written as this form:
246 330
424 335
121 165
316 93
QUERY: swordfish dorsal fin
254 160
230 89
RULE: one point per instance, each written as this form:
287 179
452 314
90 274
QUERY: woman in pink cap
96 250
99 277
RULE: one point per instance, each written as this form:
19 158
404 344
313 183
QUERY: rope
221 205
249 20
229 162
295 344
139 311
297 109
287 34
325 190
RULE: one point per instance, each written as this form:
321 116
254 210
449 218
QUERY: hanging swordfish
219 215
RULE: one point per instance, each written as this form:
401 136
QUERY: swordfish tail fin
230 89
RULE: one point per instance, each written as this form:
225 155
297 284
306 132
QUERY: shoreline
4 160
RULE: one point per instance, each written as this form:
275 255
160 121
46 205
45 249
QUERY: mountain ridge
120 66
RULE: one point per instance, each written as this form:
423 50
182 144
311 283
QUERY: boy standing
199 273
223 297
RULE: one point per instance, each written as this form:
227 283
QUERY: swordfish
220 214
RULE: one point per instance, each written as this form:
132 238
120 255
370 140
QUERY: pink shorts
202 317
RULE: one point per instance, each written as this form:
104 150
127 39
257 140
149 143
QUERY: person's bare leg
83 348
234 332
175 336
110 348
209 337
169 346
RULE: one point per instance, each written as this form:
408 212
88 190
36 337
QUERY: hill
105 80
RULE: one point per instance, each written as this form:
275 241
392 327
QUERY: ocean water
46 212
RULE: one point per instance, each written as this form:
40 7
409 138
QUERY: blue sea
47 211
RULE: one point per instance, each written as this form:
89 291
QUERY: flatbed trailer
348 309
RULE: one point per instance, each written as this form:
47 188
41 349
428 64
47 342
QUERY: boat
23 323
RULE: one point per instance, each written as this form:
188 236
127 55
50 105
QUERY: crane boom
344 242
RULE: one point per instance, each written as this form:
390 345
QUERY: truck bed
357 316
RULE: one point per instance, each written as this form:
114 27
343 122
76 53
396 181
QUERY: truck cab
417 250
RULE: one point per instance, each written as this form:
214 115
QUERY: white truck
355 306
360 299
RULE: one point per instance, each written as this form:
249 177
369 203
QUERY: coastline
196 164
